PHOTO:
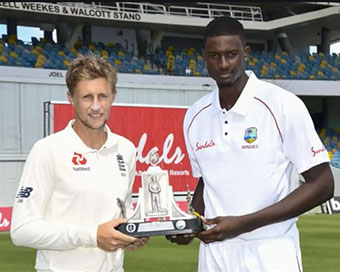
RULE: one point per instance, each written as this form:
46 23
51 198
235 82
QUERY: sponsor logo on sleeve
24 192
80 161
250 136
317 151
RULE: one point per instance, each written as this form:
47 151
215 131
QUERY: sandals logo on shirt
79 159
121 165
317 151
250 136
205 145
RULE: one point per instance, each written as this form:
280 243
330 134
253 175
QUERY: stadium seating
331 140
305 66
172 61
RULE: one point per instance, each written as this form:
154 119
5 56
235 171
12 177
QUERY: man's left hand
137 244
224 227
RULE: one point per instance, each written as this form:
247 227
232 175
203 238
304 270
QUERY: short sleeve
301 142
196 171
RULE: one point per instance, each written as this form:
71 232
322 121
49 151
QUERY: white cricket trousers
265 255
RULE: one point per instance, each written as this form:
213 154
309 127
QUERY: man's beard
225 85
229 83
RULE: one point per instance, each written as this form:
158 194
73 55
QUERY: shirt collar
80 146
243 102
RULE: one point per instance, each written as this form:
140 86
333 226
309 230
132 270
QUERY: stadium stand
331 140
174 61
43 54
268 63
303 66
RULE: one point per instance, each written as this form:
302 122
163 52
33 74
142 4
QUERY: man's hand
141 241
225 227
110 239
181 239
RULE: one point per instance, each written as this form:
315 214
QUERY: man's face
224 56
92 101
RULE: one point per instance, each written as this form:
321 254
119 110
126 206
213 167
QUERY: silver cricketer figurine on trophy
156 212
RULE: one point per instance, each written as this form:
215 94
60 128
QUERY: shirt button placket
225 127
225 132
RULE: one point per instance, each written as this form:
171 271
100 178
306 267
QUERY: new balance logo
24 192
78 159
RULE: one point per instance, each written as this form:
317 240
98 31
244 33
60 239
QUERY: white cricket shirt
67 189
246 155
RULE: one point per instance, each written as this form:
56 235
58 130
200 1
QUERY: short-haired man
66 206
256 133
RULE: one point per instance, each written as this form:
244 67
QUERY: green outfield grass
320 243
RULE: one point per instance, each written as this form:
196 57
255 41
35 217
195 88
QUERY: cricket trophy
156 212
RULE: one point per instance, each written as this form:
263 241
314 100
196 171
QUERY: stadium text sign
333 205
5 218
149 128
69 10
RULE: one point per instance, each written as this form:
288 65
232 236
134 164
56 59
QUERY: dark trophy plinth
156 212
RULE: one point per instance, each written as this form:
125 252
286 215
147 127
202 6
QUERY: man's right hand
181 239
110 239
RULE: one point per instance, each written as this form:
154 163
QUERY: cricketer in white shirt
246 156
67 189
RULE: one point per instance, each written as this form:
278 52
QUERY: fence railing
203 10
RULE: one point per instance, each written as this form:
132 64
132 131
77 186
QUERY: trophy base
162 228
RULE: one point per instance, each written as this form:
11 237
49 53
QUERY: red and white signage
5 218
148 127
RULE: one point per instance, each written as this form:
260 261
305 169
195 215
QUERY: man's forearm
41 234
319 187
197 200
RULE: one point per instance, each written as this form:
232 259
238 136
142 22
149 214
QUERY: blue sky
25 33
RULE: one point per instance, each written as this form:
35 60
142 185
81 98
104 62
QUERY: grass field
320 243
